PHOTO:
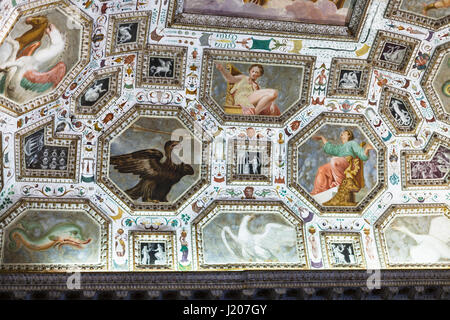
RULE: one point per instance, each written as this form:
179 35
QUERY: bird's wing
41 81
29 50
440 228
276 235
145 163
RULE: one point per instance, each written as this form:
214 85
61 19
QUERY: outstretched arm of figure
228 76
320 138
367 148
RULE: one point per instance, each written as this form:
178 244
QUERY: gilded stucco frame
219 206
178 19
394 12
401 210
51 138
67 9
1 162
307 132
78 205
135 238
425 154
211 55
391 92
261 145
115 86
383 37
142 18
163 111
177 53
339 64
326 238
428 78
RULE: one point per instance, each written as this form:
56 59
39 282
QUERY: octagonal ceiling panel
46 46
437 82
154 158
337 163
226 91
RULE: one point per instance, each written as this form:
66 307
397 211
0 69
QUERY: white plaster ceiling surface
140 135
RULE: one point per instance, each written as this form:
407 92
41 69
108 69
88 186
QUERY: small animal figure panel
400 113
393 53
127 33
40 156
153 253
161 67
349 79
343 253
95 92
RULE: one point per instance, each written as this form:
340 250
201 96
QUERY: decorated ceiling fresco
171 135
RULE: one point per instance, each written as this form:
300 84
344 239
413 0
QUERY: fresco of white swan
432 247
31 75
260 247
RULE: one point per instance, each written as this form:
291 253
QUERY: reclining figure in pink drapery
332 174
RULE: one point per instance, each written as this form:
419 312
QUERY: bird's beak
252 217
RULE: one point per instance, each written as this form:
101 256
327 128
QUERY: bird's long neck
416 237
168 162
243 228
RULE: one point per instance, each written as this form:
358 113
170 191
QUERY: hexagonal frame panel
389 93
424 155
114 74
27 146
406 210
218 207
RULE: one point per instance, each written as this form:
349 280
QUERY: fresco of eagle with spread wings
157 178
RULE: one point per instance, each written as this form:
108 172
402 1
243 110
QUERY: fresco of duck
31 69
